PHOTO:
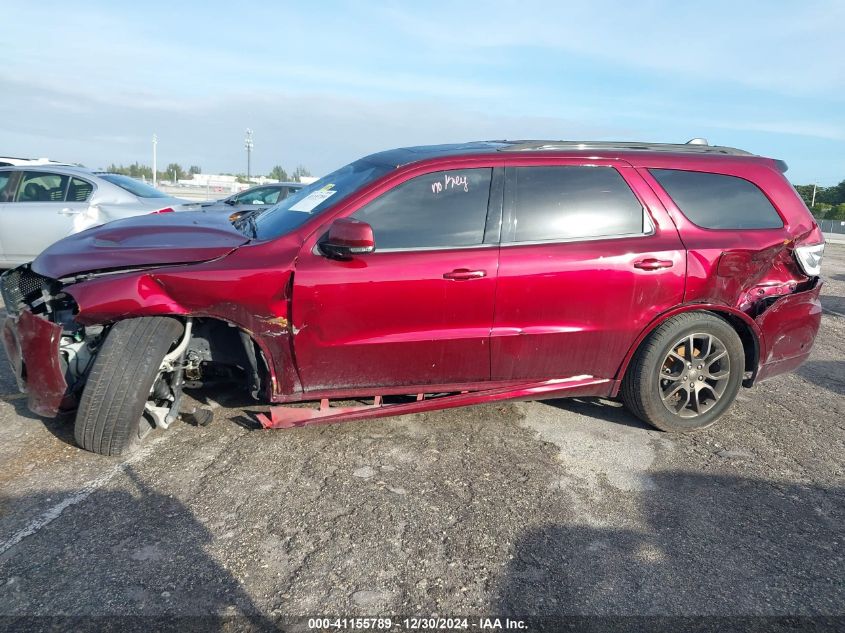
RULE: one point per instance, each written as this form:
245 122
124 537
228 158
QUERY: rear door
38 214
418 310
588 259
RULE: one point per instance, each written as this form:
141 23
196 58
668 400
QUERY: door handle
653 264
464 274
69 211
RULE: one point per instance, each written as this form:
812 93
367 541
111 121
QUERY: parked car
42 204
667 275
259 197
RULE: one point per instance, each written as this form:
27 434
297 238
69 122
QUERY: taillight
164 210
810 258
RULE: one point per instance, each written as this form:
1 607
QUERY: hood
177 204
148 240
218 205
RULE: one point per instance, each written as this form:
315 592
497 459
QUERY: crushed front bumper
32 346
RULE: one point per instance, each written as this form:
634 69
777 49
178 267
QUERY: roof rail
694 146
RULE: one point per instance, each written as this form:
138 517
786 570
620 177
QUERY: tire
675 356
110 419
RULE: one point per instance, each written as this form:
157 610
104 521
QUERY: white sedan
42 204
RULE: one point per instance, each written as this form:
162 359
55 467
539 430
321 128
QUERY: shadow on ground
121 560
829 374
600 409
835 304
720 546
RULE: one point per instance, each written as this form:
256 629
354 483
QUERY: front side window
7 191
42 187
438 210
262 195
717 201
564 202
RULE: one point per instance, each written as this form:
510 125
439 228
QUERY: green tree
832 195
300 171
806 193
175 169
278 173
836 213
194 169
135 170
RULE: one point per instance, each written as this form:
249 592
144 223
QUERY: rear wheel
111 419
686 374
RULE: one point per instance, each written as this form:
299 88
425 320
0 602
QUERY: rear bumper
32 346
789 329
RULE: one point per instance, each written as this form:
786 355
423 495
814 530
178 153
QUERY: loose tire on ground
109 419
656 370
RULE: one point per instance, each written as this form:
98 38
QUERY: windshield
312 200
136 187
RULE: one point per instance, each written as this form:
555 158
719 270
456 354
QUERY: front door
418 310
584 268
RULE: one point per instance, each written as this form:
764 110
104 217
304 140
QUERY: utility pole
248 144
155 142
813 202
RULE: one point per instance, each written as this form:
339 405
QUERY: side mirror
347 237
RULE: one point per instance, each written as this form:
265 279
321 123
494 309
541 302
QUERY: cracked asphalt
570 507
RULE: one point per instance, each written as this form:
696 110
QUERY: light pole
248 144
155 142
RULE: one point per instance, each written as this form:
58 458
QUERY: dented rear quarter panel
790 327
752 272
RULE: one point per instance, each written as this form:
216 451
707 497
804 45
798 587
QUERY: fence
832 226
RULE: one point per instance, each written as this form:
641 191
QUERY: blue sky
323 83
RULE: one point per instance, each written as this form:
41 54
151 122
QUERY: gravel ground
569 507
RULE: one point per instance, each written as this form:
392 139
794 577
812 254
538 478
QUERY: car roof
406 155
71 169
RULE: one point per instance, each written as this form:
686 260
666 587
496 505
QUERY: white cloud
784 47
318 130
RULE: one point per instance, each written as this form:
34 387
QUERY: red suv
433 277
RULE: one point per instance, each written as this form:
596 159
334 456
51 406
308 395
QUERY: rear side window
717 201
42 187
79 190
572 202
438 210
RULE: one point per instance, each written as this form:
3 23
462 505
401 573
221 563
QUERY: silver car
42 204
260 197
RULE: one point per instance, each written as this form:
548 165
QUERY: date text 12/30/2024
416 624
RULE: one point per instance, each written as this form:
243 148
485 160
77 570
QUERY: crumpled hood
150 240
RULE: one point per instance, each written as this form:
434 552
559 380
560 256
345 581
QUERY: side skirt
285 417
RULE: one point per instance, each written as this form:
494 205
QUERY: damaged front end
49 351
